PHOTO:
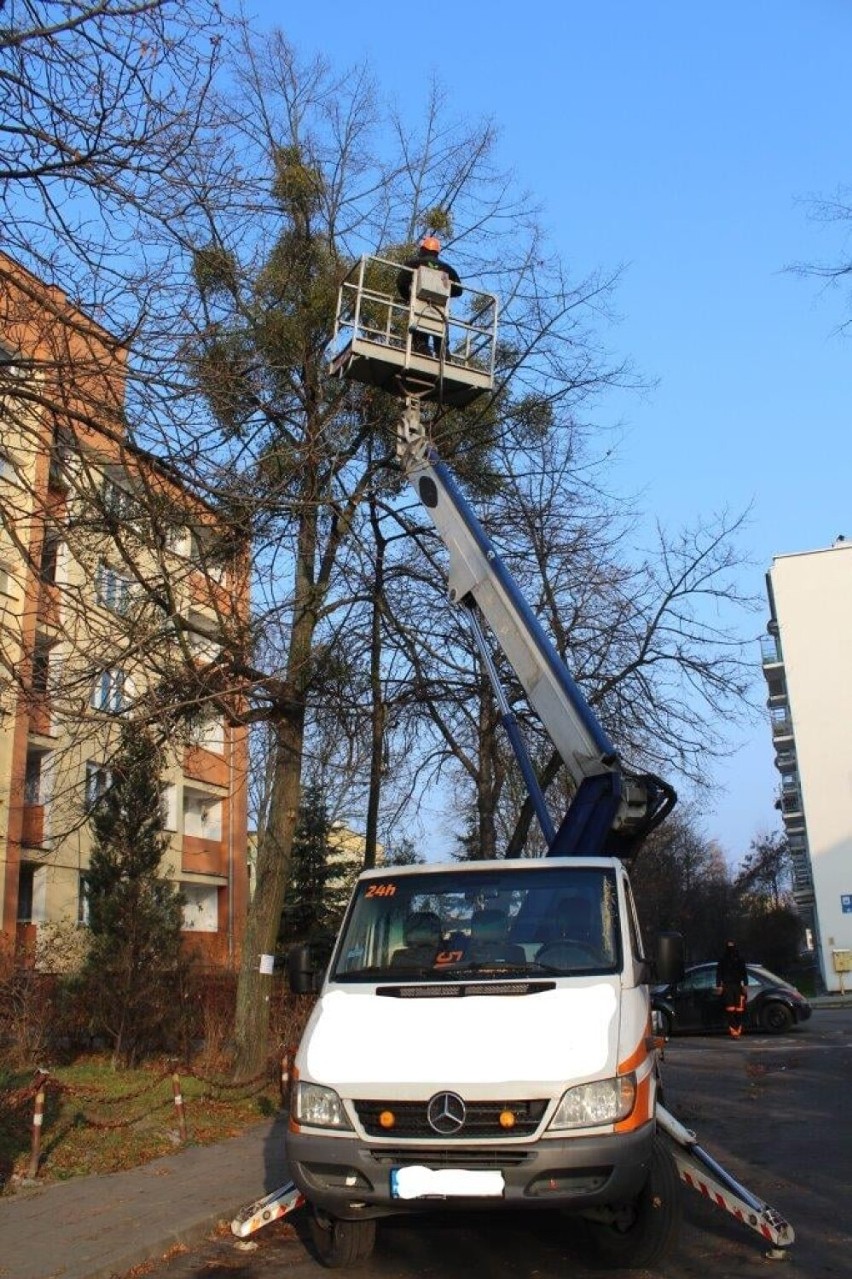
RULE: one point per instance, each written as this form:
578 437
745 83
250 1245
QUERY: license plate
419 1182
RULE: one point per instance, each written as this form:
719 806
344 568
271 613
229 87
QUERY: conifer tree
318 888
135 915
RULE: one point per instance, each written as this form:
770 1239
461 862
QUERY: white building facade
807 661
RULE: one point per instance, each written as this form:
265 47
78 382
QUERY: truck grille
471 1157
482 1119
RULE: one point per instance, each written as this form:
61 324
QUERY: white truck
482 1035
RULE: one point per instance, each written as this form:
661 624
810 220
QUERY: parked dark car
695 1005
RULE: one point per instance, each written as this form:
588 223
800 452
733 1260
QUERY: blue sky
684 141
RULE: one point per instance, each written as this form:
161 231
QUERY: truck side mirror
669 962
301 973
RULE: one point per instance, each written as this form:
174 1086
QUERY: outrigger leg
701 1171
286 1198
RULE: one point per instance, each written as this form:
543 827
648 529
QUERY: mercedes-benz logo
446 1113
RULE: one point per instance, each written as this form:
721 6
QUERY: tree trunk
251 1028
264 918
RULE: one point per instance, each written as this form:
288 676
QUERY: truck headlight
318 1107
604 1102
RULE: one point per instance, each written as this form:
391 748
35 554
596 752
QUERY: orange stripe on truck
638 1056
641 1112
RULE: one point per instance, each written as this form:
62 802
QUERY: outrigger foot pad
286 1198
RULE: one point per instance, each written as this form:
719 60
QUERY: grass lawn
102 1120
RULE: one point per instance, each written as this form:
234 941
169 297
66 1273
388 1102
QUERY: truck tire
640 1233
339 1243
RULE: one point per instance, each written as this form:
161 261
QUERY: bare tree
653 639
765 873
681 882
97 99
836 272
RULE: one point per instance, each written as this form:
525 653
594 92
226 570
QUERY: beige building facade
110 593
807 662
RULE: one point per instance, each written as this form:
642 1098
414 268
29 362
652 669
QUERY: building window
111 692
202 636
49 556
41 667
83 899
7 582
33 779
113 589
200 908
118 501
202 815
178 540
26 881
98 778
209 734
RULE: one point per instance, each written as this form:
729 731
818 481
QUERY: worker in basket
731 982
427 341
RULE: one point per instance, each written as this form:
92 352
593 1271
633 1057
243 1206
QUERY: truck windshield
447 925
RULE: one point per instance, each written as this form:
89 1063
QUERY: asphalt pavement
100 1227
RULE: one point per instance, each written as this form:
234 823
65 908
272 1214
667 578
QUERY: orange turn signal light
387 1119
507 1119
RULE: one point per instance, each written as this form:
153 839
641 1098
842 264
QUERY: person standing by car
731 982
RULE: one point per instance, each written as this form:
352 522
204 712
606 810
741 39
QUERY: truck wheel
640 1233
341 1243
776 1018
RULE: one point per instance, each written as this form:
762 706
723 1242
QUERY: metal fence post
38 1123
179 1105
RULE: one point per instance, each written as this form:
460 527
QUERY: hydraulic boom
612 810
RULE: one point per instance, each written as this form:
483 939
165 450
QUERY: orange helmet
430 245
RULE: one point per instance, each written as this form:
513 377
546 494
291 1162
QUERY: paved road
775 1111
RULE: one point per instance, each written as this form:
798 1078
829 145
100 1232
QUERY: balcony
204 856
785 761
32 827
801 874
792 816
791 802
770 651
205 766
41 717
205 823
782 724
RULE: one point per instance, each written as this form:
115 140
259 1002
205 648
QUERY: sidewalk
101 1226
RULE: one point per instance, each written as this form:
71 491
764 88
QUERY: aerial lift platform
379 341
382 340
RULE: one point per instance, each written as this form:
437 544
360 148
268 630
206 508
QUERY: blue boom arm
612 811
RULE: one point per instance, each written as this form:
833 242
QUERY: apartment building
807 662
115 599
